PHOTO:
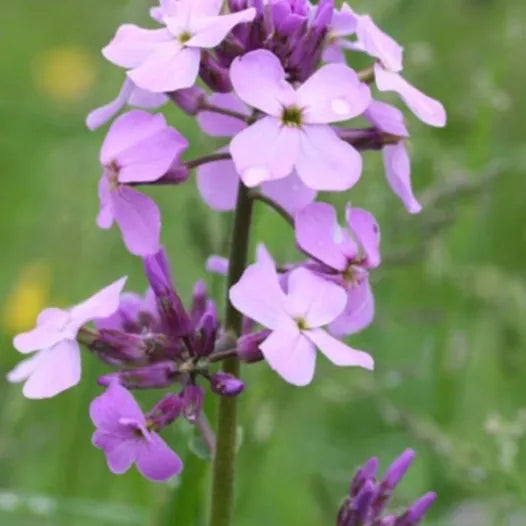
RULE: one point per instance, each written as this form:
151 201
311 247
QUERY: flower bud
193 396
119 348
215 76
364 474
190 100
166 411
226 385
199 302
417 511
248 346
362 505
157 376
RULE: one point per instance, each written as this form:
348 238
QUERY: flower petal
290 193
156 461
120 454
366 230
387 118
259 80
105 215
218 183
290 354
218 125
337 352
325 162
102 115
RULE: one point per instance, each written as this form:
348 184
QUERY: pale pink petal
54 370
142 98
290 354
366 230
210 31
102 115
318 234
156 461
334 53
358 313
259 80
169 68
120 454
313 299
333 94
337 352
100 305
131 45
218 183
290 193
398 172
259 296
139 220
343 22
386 118
23 370
53 315
265 151
218 125
325 162
105 215
428 110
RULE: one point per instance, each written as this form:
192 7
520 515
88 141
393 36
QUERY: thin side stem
213 157
206 432
225 111
224 459
275 206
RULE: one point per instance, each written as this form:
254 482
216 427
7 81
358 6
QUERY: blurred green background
449 339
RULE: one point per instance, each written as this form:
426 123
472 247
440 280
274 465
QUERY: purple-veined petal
398 173
218 125
210 31
169 68
131 45
366 230
120 454
325 162
265 151
156 461
427 109
290 193
337 352
290 354
218 183
313 299
358 313
387 118
333 94
259 296
139 220
259 80
102 115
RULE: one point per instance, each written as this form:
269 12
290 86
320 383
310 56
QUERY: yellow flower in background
29 296
64 73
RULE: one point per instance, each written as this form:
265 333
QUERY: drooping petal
131 45
218 183
325 162
139 220
337 352
100 305
120 454
54 370
318 233
427 109
290 193
366 230
265 151
259 80
102 115
210 31
218 125
169 68
333 94
398 172
313 299
290 354
358 313
156 461
259 296
387 118
107 411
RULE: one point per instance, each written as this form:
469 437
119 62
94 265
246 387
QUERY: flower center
292 116
184 37
302 324
112 173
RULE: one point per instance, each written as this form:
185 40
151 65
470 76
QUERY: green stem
225 456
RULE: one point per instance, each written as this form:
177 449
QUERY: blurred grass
449 339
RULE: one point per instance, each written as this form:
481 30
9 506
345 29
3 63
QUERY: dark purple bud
361 506
248 346
192 396
214 75
166 411
417 511
226 385
119 348
323 16
157 376
207 330
190 100
398 469
238 5
364 474
177 173
199 302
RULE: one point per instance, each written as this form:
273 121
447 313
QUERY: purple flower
345 255
226 385
295 319
123 434
56 365
295 132
167 59
129 94
218 181
139 148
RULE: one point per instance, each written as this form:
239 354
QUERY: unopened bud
155 376
214 75
190 100
166 411
248 346
226 385
193 396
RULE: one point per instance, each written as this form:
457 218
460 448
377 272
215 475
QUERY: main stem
225 456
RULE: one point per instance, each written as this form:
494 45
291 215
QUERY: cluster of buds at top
367 499
279 90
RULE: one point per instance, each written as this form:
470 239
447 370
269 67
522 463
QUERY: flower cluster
272 78
367 499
